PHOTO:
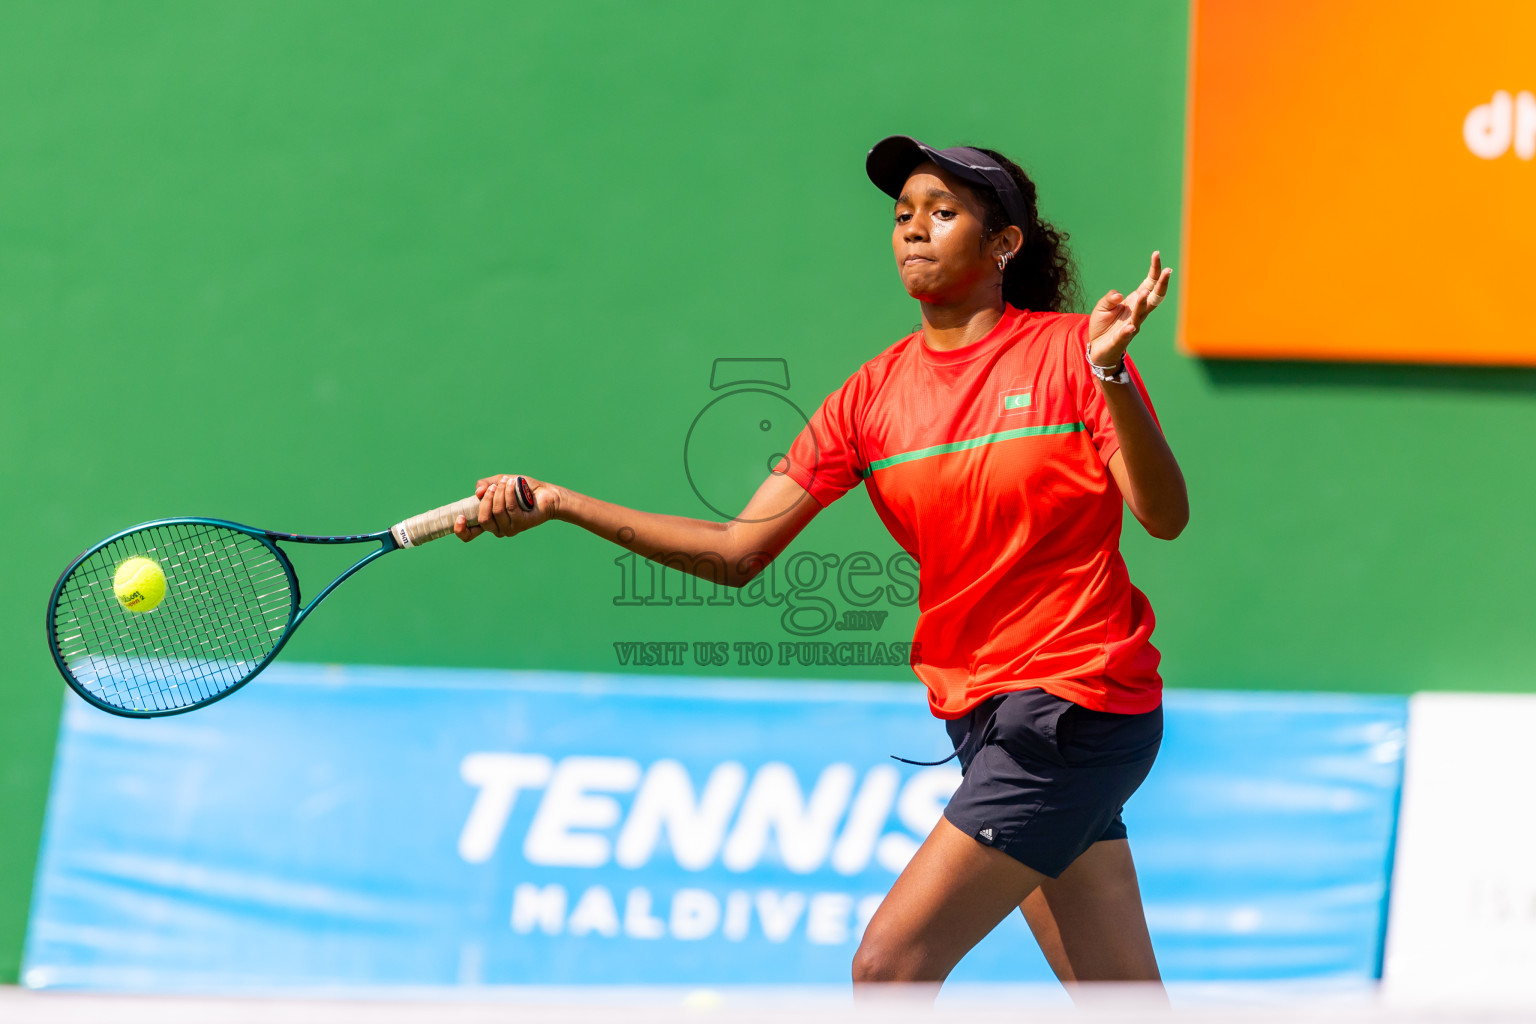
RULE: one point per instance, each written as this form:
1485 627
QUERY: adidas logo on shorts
986 834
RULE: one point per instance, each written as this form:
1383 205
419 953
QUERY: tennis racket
230 602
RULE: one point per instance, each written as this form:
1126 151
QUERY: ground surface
656 1006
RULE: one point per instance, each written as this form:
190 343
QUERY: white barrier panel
1463 915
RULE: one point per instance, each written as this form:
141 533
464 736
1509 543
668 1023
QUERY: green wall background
316 267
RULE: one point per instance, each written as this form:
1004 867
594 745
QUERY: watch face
735 442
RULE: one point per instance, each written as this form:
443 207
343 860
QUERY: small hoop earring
1002 261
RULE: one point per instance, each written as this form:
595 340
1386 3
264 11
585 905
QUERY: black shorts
1045 778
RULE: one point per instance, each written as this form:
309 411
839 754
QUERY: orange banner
1361 181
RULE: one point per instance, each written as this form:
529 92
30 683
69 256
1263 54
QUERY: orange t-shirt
988 465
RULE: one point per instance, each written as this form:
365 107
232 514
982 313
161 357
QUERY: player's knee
877 962
870 965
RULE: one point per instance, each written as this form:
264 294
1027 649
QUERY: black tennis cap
893 158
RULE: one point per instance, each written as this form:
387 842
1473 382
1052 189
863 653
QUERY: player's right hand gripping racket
221 601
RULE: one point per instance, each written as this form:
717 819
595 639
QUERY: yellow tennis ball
139 584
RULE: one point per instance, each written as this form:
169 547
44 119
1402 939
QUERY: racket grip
436 523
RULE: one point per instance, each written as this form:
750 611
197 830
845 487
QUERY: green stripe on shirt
974 442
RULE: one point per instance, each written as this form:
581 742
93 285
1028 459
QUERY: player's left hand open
1116 318
509 504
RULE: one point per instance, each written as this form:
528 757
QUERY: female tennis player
997 444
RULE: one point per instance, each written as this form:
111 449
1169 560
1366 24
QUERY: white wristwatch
1108 374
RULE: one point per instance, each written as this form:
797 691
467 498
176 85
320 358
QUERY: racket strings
228 600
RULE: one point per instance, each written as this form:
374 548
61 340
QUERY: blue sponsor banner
363 826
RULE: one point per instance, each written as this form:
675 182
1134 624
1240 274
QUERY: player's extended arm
1144 468
730 553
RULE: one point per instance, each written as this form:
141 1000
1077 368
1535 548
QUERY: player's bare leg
954 891
1090 923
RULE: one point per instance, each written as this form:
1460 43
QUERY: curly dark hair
1042 276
